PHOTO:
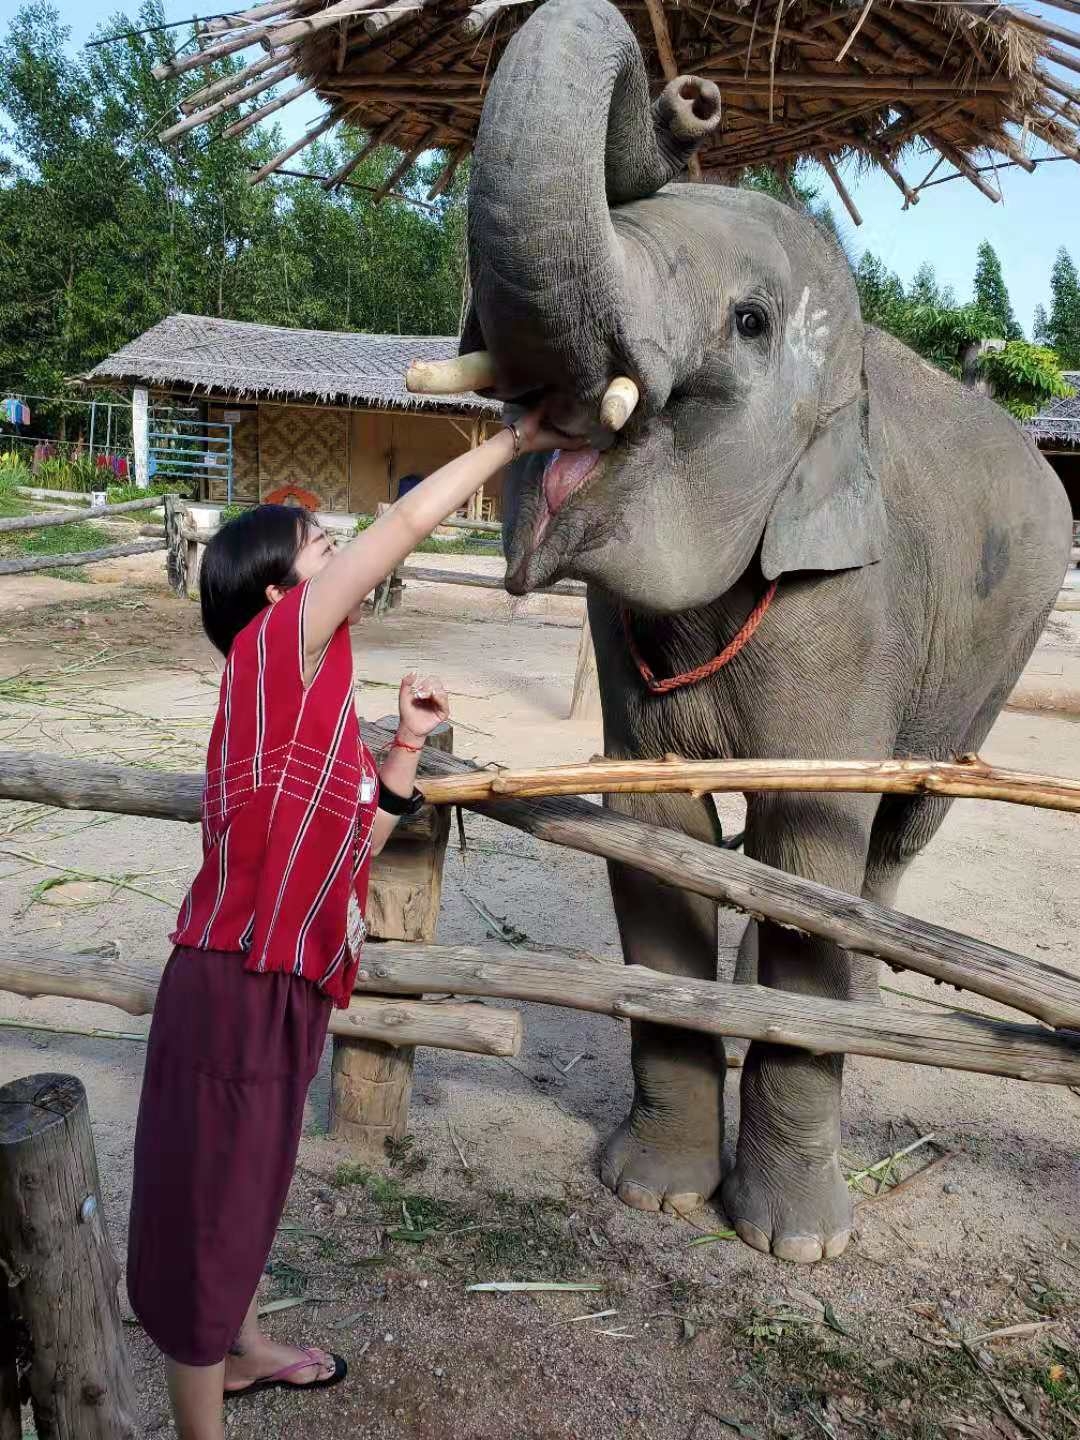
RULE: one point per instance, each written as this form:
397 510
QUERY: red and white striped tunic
290 797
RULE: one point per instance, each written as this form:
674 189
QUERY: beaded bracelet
398 744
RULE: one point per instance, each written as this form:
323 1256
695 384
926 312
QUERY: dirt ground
682 1338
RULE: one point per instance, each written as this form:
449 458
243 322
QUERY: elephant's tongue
565 473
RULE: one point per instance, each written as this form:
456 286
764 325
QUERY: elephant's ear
830 514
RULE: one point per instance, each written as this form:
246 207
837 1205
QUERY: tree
991 295
1040 326
104 230
1063 329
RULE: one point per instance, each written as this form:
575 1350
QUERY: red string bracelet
398 744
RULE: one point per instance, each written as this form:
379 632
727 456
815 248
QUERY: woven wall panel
304 449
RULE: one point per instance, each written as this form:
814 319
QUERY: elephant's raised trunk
568 130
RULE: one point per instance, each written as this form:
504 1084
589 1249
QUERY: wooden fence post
585 704
176 548
56 1257
371 1082
10 1406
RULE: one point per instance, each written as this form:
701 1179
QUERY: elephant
828 547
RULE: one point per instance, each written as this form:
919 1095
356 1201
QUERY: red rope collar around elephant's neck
691 677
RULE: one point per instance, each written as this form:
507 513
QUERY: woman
269 936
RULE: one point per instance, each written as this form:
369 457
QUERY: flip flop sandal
280 1380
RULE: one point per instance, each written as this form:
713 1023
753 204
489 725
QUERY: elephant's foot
803 1223
786 1195
647 1172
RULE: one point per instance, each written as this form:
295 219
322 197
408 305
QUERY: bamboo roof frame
832 80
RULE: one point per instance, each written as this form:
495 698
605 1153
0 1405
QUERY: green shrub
1025 377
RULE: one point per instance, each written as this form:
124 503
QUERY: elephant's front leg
666 1153
787 1192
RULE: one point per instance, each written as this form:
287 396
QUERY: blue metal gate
184 447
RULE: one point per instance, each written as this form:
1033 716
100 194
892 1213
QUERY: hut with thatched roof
1056 431
312 416
971 84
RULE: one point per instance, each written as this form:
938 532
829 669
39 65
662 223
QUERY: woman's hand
422 704
536 434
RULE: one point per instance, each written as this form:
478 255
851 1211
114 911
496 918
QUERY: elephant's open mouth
550 530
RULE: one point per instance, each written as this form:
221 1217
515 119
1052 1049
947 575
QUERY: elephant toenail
683 1205
837 1244
799 1249
752 1236
638 1197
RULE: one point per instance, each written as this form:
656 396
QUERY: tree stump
585 704
176 556
59 1265
371 1082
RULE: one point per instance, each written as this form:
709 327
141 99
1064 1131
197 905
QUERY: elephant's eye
750 321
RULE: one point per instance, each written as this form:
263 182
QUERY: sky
1039 213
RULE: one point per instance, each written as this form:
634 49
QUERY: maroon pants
228 1066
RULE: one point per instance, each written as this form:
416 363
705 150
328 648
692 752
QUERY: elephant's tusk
475 371
619 403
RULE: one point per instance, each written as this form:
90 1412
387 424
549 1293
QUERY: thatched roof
233 359
830 79
1059 422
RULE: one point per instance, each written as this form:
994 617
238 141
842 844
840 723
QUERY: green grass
55 540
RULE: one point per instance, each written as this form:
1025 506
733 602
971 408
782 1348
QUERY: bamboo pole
449 170
30 563
220 87
220 107
841 189
380 137
247 17
1041 27
750 1012
270 108
312 134
405 164
885 85
103 977
970 778
482 582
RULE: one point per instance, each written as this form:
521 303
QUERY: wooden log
482 582
60 1265
371 1082
176 550
87 557
885 85
230 82
585 701
123 790
66 517
309 136
449 170
229 102
10 1403
1051 994
426 142
751 1012
104 977
970 778
377 138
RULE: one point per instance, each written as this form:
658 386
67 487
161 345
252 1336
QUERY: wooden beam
449 170
246 17
888 86
270 108
103 977
320 128
841 189
480 17
379 137
958 159
482 582
751 1012
389 15
1040 27
666 52
426 141
1060 57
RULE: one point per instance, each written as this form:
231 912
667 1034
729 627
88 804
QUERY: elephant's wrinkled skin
918 538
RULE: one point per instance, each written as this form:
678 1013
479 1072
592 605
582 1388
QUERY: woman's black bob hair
256 549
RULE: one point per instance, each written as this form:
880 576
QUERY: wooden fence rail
29 563
65 517
1028 985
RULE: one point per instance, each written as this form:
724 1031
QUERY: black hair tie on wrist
398 805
